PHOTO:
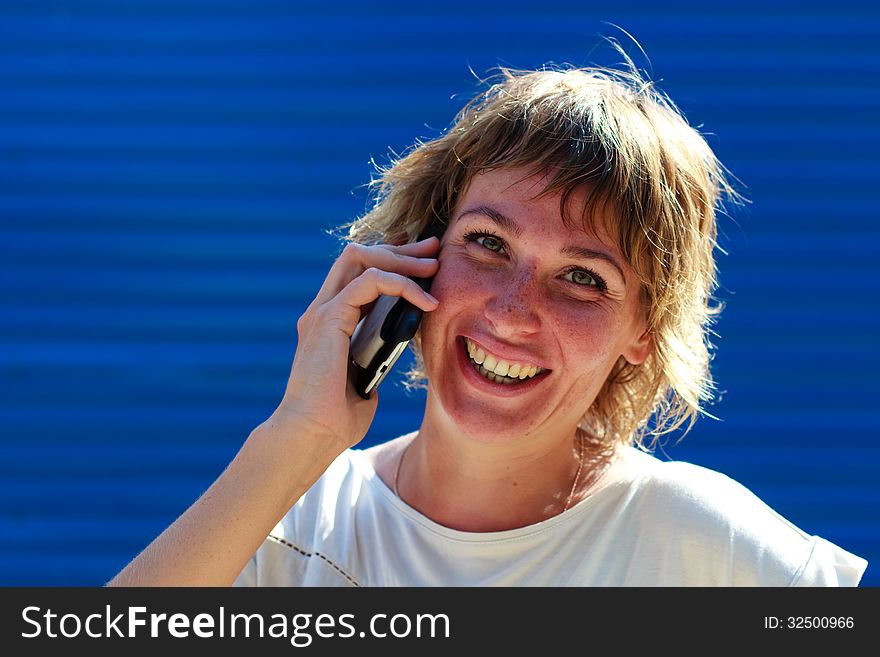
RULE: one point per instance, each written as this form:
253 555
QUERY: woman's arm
211 542
319 417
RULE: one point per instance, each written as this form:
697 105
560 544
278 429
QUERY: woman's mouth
497 370
491 372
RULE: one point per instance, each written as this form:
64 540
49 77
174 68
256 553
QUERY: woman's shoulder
709 511
682 479
691 495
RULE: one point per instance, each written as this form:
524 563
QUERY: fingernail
432 299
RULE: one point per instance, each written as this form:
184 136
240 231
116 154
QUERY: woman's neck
478 487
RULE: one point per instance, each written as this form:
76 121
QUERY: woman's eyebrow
591 254
504 221
513 228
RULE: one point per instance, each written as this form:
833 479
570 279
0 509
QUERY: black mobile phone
381 336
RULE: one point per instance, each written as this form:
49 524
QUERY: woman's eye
489 242
584 278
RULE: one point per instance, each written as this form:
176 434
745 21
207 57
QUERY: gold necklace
577 475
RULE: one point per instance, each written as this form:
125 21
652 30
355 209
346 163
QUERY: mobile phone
381 336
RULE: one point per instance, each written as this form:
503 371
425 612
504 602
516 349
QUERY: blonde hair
612 132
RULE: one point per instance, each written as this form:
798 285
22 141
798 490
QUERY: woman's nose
514 307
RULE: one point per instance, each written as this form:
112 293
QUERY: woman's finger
357 258
366 288
422 247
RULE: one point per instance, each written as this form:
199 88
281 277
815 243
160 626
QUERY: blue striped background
167 170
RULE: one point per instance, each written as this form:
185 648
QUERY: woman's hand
319 417
319 398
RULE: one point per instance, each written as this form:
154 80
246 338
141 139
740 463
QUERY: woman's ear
639 349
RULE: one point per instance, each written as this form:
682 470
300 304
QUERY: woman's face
517 284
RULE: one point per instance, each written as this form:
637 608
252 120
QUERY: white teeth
496 378
500 370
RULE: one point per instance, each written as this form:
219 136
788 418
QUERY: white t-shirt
646 523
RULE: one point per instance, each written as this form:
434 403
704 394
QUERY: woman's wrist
299 451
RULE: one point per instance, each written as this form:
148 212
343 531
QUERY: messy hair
653 182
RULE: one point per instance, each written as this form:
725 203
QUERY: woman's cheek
453 290
455 284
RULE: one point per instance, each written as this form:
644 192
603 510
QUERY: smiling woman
566 327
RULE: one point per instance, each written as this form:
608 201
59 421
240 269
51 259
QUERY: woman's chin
486 425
